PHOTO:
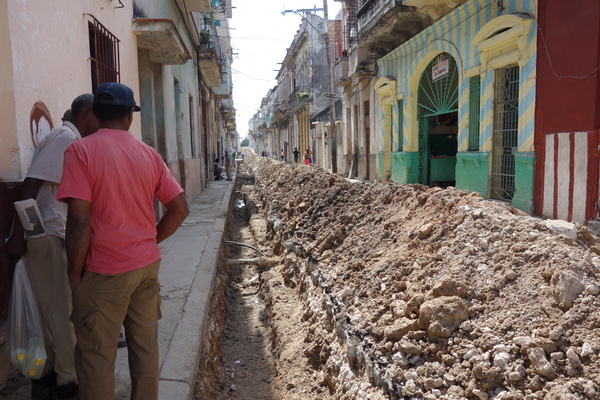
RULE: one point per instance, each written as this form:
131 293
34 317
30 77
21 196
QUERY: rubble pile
430 293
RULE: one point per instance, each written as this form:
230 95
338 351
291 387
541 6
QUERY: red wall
568 44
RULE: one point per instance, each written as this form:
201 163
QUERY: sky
260 36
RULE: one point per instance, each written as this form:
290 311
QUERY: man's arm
177 211
77 237
15 247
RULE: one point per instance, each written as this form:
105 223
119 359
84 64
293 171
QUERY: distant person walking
110 180
296 154
307 157
282 155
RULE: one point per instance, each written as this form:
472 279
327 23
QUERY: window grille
400 125
474 110
352 21
505 132
104 54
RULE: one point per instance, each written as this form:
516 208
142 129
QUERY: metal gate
438 94
505 132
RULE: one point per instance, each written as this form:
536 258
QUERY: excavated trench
382 291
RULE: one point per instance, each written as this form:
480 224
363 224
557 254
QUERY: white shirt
47 165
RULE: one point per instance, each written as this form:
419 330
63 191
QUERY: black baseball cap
115 94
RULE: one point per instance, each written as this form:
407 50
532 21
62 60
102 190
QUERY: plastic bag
25 341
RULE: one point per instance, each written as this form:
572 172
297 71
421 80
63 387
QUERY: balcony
434 8
162 39
384 25
195 5
209 64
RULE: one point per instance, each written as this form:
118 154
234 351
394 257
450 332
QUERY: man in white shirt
46 257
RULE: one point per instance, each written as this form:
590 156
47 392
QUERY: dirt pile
424 293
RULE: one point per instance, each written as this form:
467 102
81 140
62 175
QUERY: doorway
437 106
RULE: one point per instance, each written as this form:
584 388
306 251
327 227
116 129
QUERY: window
104 54
192 127
505 132
400 125
474 109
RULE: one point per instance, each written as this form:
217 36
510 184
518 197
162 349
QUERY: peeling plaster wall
46 58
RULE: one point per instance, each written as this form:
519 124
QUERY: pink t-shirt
120 176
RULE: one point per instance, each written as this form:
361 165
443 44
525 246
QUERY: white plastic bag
25 338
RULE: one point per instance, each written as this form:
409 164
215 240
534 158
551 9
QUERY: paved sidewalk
189 262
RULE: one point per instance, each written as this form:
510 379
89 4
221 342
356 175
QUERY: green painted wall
472 171
524 171
405 167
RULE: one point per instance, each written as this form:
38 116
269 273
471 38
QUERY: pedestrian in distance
282 155
217 170
46 256
296 154
109 182
307 156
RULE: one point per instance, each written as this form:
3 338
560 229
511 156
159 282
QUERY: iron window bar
104 54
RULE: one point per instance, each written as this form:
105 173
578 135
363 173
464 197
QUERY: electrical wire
550 59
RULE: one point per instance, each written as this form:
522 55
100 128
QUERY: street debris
412 292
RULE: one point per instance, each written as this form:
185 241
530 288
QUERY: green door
437 116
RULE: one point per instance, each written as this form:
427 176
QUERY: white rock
566 288
449 378
469 354
514 376
503 348
540 363
410 375
410 388
557 355
586 350
556 333
501 360
572 356
560 227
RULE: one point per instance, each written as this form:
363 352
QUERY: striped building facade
567 116
492 46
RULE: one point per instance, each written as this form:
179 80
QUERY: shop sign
440 69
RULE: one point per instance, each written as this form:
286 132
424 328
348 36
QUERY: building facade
567 116
52 54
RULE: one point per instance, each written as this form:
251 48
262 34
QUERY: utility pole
331 92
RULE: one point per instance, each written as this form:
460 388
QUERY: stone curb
178 370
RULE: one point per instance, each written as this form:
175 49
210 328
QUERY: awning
162 38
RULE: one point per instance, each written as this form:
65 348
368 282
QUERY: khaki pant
101 304
47 267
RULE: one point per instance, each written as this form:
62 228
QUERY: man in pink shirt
109 181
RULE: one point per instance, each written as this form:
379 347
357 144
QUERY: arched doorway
437 111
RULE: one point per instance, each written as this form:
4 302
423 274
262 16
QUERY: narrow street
403 292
